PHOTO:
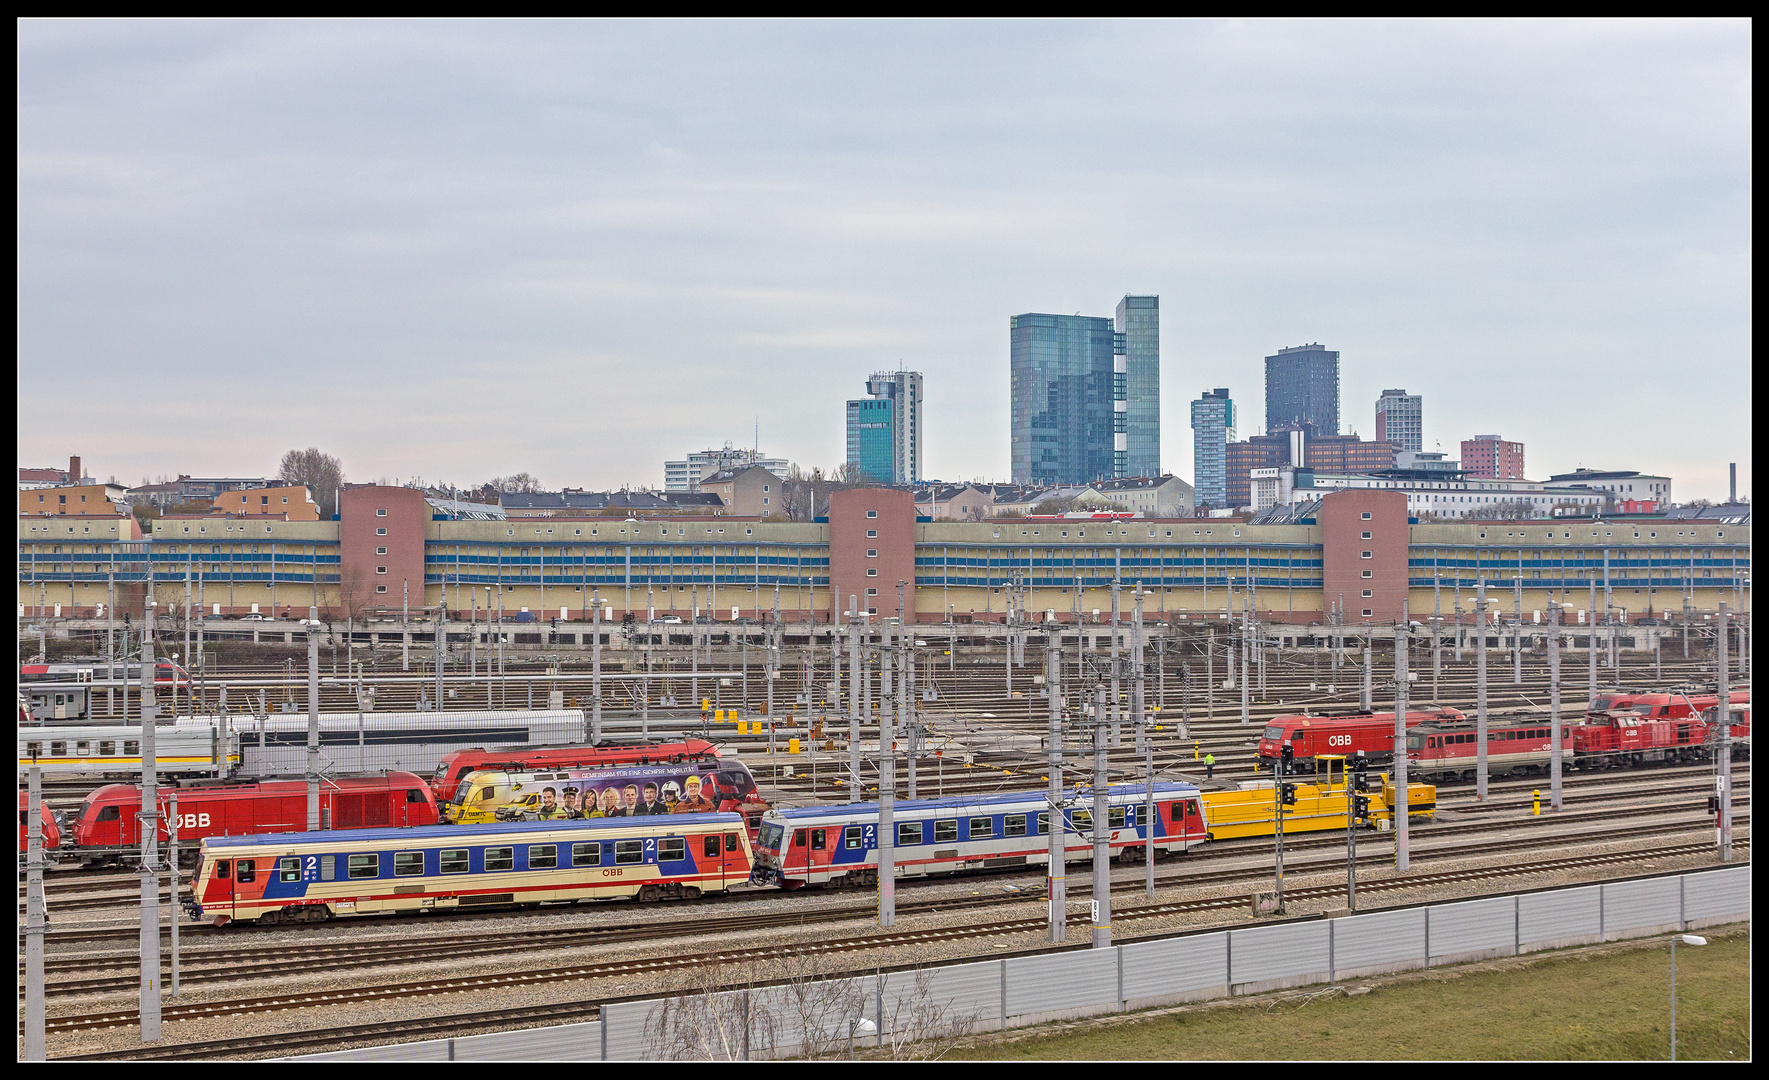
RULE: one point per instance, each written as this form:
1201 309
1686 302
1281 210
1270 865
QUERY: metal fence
782 1021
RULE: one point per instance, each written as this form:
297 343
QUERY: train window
109 813
981 828
408 864
1140 814
414 795
1175 811
1115 817
672 849
328 868
852 837
223 870
1043 823
629 851
818 838
798 838
908 832
945 831
500 858
58 749
454 861
365 866
247 870
288 869
710 846
34 750
107 749
131 748
730 841
1013 825
586 854
1081 819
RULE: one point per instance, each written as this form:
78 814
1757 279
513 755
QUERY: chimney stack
74 473
1733 498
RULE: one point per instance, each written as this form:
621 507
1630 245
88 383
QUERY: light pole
1687 939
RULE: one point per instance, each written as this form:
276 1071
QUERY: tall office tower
1064 370
1491 456
1302 386
1139 327
884 430
1399 420
1213 428
871 439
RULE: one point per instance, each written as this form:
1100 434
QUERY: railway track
461 1023
261 958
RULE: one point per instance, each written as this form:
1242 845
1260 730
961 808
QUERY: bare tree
792 1004
921 1025
322 473
521 481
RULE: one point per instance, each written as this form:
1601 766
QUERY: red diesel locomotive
1345 733
455 766
106 830
1660 729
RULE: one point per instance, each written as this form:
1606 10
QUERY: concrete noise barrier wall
816 1016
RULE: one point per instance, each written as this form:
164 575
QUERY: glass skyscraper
1213 428
1086 395
1139 320
1302 387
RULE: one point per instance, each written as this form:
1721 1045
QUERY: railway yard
248 991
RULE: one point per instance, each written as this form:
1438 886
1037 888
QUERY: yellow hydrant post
1537 809
1195 744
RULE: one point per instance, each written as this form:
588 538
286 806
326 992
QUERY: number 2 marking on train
312 867
871 833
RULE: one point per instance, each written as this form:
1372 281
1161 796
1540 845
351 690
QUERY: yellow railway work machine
1252 809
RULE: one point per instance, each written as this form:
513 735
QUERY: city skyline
592 245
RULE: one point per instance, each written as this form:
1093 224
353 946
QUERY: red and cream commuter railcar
1515 744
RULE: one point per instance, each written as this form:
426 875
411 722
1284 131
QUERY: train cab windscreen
770 837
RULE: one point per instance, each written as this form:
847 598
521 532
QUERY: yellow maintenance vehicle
1251 810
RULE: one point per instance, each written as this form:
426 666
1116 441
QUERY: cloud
582 248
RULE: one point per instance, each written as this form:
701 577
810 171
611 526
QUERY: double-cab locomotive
839 844
1346 733
311 877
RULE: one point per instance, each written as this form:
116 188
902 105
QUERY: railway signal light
1288 753
1287 794
1360 807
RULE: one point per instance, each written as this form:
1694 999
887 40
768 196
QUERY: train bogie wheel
270 918
649 893
689 892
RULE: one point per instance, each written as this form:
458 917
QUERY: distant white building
1472 497
685 475
1621 486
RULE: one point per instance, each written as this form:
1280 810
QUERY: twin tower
1087 395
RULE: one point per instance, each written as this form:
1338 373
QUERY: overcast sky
460 250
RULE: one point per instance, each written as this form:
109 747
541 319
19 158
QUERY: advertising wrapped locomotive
702 787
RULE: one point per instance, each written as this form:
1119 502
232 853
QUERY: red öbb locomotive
106 830
1346 733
